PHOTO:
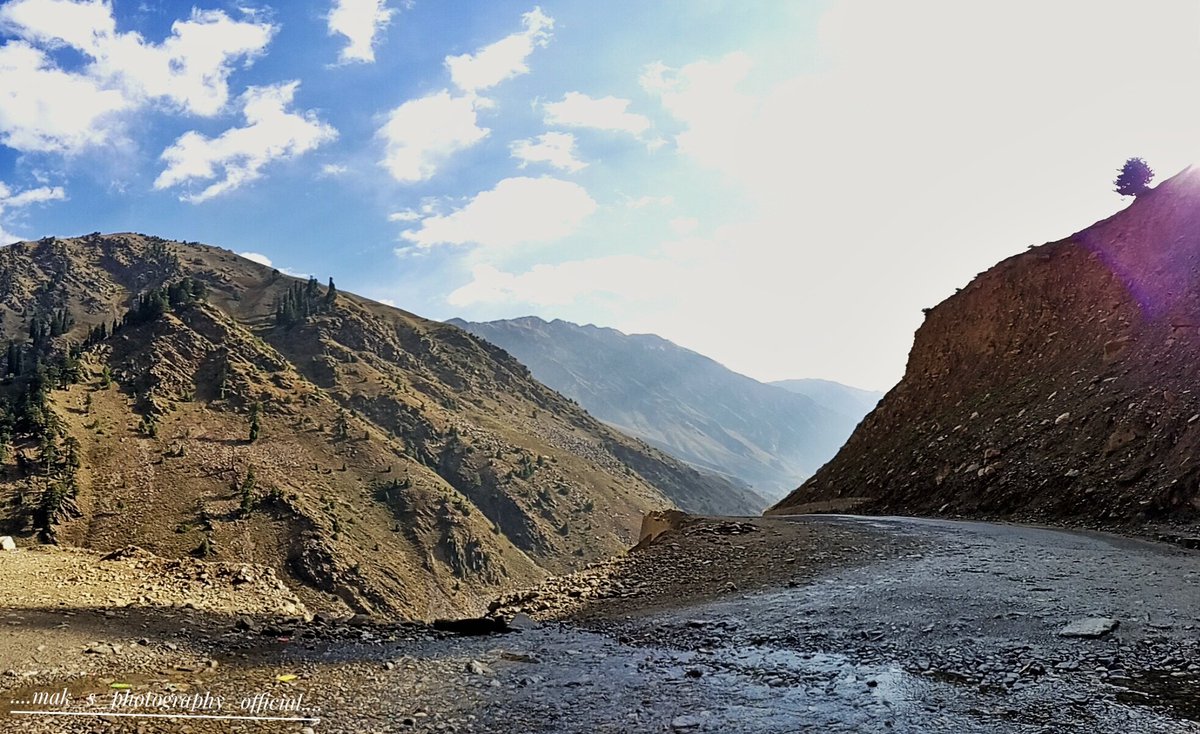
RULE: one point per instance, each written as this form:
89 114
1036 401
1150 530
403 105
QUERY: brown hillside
403 467
1061 383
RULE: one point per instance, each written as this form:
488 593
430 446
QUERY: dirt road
848 624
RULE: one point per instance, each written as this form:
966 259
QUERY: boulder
1089 627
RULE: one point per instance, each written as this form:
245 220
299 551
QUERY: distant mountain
853 402
680 401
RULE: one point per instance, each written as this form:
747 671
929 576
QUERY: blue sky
780 185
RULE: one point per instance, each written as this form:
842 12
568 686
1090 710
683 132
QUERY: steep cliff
1062 383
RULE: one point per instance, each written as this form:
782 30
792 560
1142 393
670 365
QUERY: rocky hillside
1061 383
179 397
678 400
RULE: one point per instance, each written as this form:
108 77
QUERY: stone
246 624
522 621
7 543
686 723
471 626
475 667
1089 627
1062 419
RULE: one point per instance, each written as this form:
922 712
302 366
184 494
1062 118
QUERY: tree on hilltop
1134 178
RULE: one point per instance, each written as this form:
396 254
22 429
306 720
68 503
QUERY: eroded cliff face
1062 383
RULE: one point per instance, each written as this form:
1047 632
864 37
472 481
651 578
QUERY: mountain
854 402
1059 384
678 400
177 396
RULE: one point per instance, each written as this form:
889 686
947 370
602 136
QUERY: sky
782 186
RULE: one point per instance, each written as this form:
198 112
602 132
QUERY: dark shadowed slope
678 400
1061 383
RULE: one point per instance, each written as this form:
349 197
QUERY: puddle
1160 689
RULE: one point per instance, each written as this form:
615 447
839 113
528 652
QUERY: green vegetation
302 302
174 297
1134 178
255 428
247 492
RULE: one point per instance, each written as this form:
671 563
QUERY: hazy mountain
397 464
850 401
678 400
1059 384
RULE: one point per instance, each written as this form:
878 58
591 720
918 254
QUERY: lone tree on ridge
1134 178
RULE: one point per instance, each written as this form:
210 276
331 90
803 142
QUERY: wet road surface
960 636
954 630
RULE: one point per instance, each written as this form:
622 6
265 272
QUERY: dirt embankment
684 560
1060 386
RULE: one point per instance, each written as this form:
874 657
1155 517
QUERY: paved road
960 636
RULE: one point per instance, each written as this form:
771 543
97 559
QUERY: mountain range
187 399
769 437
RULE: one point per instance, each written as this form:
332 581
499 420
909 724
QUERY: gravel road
954 629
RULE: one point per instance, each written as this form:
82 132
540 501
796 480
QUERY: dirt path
837 624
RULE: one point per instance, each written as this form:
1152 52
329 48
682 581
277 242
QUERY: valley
769 437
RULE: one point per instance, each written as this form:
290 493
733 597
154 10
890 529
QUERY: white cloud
408 215
257 257
361 22
706 95
503 59
555 149
683 225
907 149
333 170
605 113
423 133
45 109
28 197
272 133
644 201
189 70
262 259
517 211
626 277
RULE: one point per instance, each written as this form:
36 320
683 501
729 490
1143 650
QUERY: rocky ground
835 624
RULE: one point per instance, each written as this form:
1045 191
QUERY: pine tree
14 358
330 295
1134 178
254 425
247 490
341 425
